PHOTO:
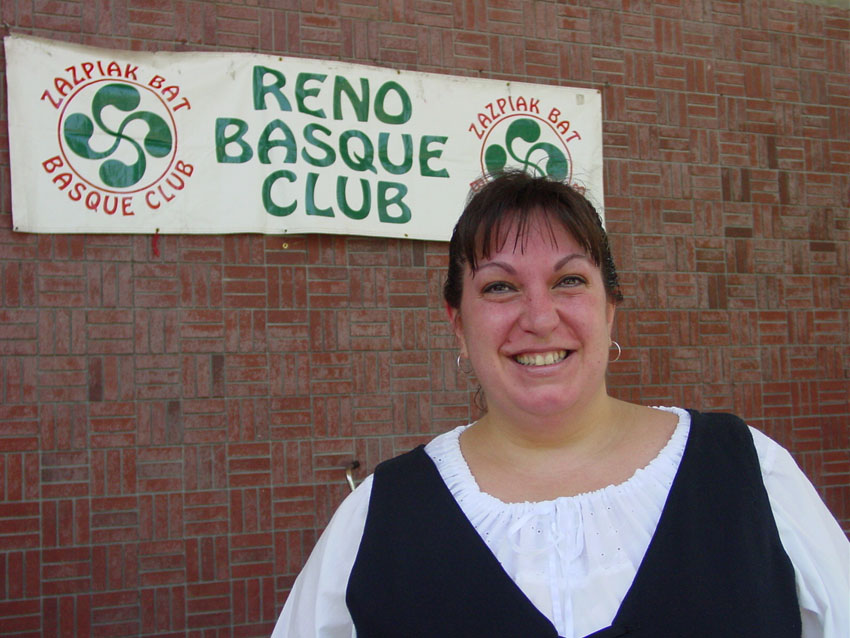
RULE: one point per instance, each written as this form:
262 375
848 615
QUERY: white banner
107 141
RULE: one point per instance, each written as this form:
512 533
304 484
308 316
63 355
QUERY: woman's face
535 322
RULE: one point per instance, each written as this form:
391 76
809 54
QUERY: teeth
541 359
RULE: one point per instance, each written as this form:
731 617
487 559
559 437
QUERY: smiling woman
530 304
564 511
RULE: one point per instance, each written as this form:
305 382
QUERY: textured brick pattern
174 423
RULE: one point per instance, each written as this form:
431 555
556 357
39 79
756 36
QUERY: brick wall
174 423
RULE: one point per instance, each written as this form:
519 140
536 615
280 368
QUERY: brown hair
511 200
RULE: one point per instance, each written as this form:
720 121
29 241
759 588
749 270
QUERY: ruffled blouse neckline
445 451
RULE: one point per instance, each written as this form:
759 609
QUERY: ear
457 327
610 312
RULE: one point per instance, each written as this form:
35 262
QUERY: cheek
484 328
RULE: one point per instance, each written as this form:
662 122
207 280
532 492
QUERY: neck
585 428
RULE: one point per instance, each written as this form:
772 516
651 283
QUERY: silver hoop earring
467 370
619 351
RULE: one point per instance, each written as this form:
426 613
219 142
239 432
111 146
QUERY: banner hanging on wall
107 141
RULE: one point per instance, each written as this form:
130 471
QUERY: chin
547 403
541 407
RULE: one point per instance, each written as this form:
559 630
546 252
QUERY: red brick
168 413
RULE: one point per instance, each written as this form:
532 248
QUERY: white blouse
575 557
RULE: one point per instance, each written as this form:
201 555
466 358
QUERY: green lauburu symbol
79 128
527 130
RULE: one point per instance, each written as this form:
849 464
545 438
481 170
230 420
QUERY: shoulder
316 604
812 538
818 548
418 467
724 423
773 459
401 464
720 443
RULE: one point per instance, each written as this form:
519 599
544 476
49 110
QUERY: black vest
714 568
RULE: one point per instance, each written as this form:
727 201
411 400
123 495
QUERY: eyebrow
563 261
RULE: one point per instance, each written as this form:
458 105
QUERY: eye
570 281
497 287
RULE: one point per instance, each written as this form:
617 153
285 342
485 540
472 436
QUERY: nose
539 315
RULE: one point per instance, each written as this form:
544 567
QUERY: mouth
541 358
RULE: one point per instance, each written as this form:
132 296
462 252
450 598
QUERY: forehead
527 234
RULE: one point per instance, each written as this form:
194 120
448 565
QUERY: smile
541 358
